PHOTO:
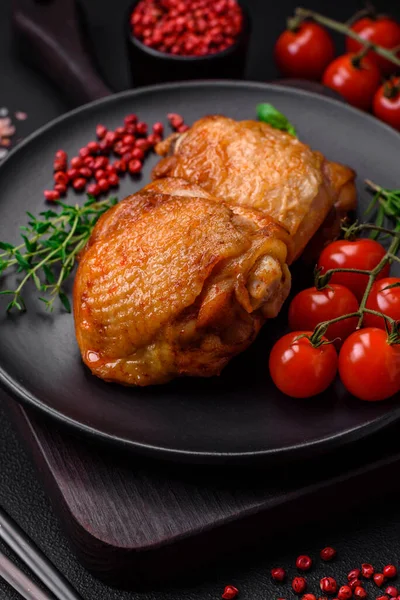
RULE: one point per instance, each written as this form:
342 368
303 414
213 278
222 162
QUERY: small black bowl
149 66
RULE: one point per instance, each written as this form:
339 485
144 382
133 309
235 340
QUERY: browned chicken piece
173 282
252 164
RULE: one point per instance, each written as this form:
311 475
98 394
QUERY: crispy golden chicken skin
252 164
173 282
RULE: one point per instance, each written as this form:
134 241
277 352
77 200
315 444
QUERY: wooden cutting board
135 522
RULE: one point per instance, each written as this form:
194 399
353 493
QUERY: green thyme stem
54 240
45 260
303 13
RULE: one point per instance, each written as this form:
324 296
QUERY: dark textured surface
371 534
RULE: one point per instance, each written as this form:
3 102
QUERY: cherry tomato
382 31
362 254
305 52
386 104
386 301
312 306
369 366
300 370
355 79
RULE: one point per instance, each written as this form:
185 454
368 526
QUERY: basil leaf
271 115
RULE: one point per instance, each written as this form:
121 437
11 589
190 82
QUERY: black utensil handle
48 36
19 581
13 536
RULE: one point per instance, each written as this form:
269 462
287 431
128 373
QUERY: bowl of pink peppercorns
175 40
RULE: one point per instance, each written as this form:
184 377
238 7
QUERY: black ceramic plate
239 416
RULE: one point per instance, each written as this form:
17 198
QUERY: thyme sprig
50 245
386 205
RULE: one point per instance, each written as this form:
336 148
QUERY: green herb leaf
271 115
51 243
49 275
37 281
65 301
6 247
23 263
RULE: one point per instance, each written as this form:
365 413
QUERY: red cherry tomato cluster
307 52
94 170
368 363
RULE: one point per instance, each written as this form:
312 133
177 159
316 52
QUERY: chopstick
13 536
19 581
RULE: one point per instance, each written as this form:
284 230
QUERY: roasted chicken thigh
174 282
249 163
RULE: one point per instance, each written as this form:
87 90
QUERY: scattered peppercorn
328 553
389 571
230 592
345 592
367 570
392 591
353 583
51 195
94 168
304 563
309 597
299 585
359 592
278 574
354 574
379 579
328 585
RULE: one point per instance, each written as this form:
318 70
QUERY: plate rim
347 436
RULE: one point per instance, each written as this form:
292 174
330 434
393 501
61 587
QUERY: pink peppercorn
230 592
379 579
328 585
79 184
367 570
389 571
359 592
299 585
304 563
328 553
354 574
345 593
355 583
134 166
51 195
278 574
61 189
158 128
101 131
93 189
392 591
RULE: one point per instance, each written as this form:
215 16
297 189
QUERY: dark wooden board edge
124 567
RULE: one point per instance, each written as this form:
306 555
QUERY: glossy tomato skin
382 31
304 53
299 370
369 366
362 254
386 104
383 300
311 306
357 84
